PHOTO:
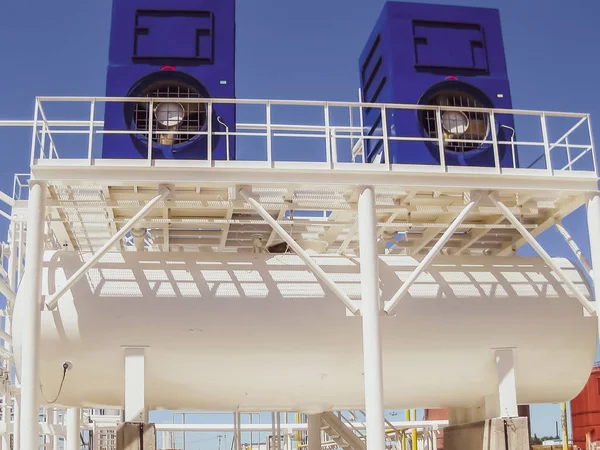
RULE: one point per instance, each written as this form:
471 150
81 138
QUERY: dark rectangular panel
450 45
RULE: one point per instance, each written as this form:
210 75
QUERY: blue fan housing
175 49
437 55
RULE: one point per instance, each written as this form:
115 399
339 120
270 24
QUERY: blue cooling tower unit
171 49
437 55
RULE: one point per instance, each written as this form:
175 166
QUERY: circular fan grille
463 125
170 116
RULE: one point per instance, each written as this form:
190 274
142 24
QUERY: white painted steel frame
52 302
428 259
587 305
314 267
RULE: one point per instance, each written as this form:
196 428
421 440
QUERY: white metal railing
336 127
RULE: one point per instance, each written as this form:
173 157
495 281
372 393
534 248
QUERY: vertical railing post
594 156
91 136
269 136
43 143
34 134
209 139
495 142
328 156
150 130
361 121
568 154
440 133
546 143
385 135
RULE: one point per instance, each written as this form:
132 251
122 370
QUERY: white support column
30 333
135 407
593 217
73 429
314 431
53 422
371 317
507 388
17 423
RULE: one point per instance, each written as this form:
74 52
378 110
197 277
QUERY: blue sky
300 50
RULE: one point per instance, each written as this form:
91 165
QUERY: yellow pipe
407 417
414 431
565 432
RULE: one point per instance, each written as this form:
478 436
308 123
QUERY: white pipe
30 332
53 421
72 440
593 217
268 427
574 247
53 300
12 259
316 269
314 431
371 318
545 256
425 262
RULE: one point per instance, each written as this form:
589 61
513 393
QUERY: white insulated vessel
223 331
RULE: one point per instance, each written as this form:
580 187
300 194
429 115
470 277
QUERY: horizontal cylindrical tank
585 411
261 332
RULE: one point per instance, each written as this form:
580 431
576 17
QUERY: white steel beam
574 247
428 259
545 256
30 333
314 267
371 319
52 302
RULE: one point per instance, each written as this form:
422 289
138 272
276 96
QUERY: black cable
65 368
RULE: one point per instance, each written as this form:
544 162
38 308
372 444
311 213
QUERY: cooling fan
174 123
469 127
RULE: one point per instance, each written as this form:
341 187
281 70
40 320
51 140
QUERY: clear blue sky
299 50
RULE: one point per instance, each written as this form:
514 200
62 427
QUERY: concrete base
136 436
491 434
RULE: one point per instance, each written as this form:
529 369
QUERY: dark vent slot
365 68
374 74
377 94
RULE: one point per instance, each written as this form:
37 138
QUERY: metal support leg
503 402
73 429
593 216
314 432
17 423
53 422
30 333
545 256
135 407
371 317
52 302
507 387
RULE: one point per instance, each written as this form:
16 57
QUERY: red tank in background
585 412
